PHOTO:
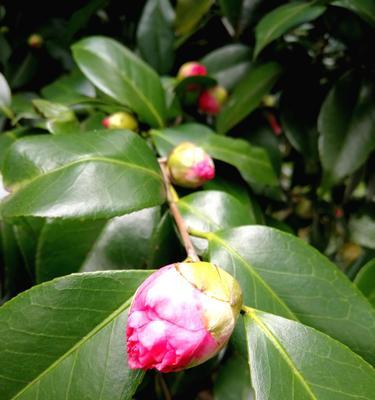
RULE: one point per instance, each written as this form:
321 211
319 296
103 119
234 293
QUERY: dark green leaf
64 246
67 337
291 361
120 74
67 246
69 89
299 117
233 380
125 242
210 211
23 72
239 13
60 119
93 175
233 188
347 126
362 230
155 35
228 64
165 247
6 140
365 281
199 81
27 232
252 162
280 273
247 95
282 19
364 8
189 13
15 277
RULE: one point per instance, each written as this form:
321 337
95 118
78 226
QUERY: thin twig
171 197
164 387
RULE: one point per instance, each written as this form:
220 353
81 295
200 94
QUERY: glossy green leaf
247 95
64 246
362 230
231 187
65 339
189 13
93 175
5 96
69 89
346 126
27 233
125 242
252 162
210 211
120 74
15 277
67 246
365 281
6 140
364 8
289 360
280 273
228 64
239 13
282 19
155 37
60 118
165 247
233 380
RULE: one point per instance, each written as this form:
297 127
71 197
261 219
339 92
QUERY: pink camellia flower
211 100
190 166
191 68
181 316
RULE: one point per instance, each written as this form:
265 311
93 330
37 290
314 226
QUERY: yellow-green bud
121 120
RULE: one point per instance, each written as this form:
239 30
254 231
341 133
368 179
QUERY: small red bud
190 166
211 100
339 213
274 123
191 68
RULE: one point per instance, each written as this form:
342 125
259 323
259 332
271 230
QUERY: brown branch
181 226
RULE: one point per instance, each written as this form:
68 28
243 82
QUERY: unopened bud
120 120
35 41
211 100
190 166
191 68
181 316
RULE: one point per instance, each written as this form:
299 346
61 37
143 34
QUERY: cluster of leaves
294 153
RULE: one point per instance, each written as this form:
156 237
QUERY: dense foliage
290 213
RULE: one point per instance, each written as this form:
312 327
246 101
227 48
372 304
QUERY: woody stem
180 223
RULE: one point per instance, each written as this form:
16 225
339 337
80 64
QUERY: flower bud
211 100
120 120
35 41
181 316
190 166
191 68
